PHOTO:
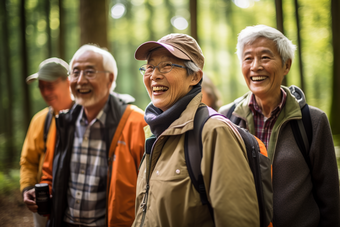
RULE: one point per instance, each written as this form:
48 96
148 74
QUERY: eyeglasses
88 73
163 67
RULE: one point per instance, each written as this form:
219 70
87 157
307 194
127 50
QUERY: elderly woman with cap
165 194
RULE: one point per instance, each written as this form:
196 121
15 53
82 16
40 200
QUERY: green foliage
9 182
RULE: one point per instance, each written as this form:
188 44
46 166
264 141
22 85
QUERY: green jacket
172 199
294 203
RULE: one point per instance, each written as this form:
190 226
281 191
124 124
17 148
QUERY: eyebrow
262 52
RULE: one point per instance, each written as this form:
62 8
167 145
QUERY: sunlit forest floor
15 214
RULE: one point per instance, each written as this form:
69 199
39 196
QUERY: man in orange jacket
99 148
54 88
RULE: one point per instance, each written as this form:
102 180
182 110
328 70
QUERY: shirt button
77 201
85 138
178 171
82 171
157 173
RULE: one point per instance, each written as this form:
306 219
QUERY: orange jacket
128 149
33 150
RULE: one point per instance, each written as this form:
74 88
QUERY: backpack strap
303 133
230 116
193 153
118 132
47 125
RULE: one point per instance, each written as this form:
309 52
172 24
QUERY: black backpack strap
193 154
230 116
47 124
303 133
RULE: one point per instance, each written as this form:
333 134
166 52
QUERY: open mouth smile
258 78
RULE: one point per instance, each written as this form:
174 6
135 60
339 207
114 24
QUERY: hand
29 200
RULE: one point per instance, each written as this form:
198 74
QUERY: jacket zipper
144 203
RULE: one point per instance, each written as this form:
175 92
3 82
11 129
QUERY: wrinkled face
262 68
55 93
90 92
165 89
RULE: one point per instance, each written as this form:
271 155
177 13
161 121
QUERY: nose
155 75
256 65
82 79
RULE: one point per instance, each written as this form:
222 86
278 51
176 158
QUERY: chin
85 102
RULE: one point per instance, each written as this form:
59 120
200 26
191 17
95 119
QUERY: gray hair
109 63
248 35
191 67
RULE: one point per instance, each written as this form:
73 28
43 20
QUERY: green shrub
9 182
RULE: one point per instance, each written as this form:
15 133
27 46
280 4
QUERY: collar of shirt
275 113
101 117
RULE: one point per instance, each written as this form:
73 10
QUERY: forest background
33 30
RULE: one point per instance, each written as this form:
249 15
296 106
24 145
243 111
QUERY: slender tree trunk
193 16
8 120
335 107
61 30
93 22
279 24
48 28
24 73
302 82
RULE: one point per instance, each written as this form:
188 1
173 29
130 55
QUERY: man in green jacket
54 88
303 195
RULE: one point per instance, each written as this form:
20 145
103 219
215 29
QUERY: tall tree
335 107
279 24
299 44
93 22
48 27
8 91
24 60
193 16
61 42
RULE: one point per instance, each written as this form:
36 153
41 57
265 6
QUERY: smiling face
165 89
91 93
262 68
56 93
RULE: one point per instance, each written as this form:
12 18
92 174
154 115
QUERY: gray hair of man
248 35
109 63
191 67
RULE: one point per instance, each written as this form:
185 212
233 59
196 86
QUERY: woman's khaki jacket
172 199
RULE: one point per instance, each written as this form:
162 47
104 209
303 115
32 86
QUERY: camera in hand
42 198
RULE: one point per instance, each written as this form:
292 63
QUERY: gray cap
50 70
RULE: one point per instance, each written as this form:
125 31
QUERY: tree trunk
193 16
61 43
8 93
93 22
279 25
302 83
335 107
24 73
48 28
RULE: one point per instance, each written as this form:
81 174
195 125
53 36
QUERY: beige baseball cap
181 46
50 70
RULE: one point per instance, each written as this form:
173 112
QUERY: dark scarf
159 121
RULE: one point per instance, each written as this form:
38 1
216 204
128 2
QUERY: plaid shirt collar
275 113
101 117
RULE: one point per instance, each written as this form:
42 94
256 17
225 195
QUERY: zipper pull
253 152
143 204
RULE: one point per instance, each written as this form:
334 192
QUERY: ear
111 77
196 78
287 66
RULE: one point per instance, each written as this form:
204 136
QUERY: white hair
248 35
109 63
